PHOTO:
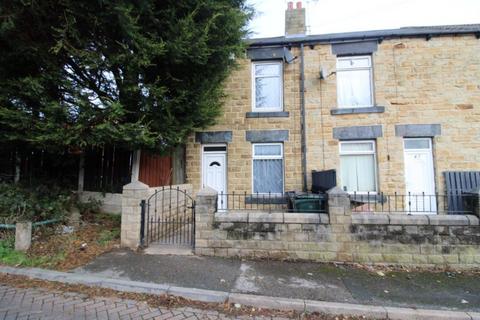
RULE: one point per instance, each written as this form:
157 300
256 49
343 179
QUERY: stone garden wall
340 236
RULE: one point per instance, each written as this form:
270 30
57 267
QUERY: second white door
419 176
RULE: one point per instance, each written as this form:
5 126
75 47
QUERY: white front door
214 171
419 176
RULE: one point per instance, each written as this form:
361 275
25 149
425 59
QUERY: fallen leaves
156 301
68 250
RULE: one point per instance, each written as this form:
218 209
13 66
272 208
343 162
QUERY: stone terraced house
391 111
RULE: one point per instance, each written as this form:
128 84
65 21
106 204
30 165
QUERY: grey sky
330 16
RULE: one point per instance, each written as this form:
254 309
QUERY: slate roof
422 31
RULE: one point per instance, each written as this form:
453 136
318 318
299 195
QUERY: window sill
374 109
273 114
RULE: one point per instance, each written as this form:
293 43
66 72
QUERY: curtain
353 88
358 172
268 150
268 176
267 92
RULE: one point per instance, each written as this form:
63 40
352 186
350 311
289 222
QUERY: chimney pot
299 5
290 5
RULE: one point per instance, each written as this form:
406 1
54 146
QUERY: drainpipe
302 118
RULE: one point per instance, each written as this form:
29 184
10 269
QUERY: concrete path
43 304
309 281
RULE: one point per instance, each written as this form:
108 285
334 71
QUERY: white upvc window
267 168
358 166
267 86
354 82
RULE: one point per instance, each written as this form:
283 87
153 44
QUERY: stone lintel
418 130
357 132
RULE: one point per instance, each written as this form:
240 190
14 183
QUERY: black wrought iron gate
168 217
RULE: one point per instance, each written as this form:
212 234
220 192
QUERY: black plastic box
323 181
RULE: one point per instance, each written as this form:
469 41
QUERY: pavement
302 306
33 303
298 280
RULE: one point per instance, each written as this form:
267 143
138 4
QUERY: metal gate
168 218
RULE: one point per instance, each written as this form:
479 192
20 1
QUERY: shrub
34 203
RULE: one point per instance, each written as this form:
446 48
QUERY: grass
52 249
107 236
9 256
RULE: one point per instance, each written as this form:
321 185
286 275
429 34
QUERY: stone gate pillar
340 213
205 208
133 194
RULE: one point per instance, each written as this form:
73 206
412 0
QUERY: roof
370 35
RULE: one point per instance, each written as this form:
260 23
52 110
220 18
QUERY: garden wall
426 240
111 202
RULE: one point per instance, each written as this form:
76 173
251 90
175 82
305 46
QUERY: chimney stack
295 20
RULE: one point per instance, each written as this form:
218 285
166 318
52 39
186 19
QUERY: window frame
263 157
369 68
430 144
253 88
353 153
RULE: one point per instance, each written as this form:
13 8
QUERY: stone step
164 249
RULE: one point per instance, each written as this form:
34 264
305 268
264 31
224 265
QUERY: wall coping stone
337 191
136 185
406 219
207 192
474 221
274 217
449 220
265 217
370 219
424 219
240 216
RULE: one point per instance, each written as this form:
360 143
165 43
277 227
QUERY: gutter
302 119
379 35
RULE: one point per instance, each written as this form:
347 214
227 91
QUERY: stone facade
434 82
239 150
340 236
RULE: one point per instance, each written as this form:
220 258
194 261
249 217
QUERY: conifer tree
136 73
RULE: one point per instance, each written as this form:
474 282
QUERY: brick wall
417 81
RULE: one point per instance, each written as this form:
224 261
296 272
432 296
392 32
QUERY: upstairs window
267 82
268 168
358 166
354 82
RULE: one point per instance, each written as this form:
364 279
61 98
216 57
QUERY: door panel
214 174
419 177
